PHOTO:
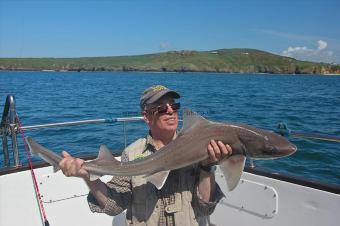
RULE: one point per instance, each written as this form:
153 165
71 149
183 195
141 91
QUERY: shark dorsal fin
105 157
191 119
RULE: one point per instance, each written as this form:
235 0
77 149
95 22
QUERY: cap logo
156 88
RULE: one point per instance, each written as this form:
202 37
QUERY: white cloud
319 54
322 45
291 51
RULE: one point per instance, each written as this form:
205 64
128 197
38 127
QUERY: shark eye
269 150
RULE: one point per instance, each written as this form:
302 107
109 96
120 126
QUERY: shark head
266 145
278 146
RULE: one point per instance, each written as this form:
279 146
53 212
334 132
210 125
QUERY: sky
303 29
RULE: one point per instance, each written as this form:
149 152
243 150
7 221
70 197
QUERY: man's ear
146 117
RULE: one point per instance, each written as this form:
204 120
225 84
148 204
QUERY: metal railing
9 128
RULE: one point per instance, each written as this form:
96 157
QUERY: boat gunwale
332 188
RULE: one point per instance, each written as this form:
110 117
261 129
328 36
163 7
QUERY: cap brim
160 94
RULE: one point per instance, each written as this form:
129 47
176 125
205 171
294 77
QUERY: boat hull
257 200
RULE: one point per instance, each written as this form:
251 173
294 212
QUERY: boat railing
9 128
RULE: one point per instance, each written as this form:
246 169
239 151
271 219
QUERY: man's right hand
72 167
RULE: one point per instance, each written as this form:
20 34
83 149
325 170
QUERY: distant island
222 60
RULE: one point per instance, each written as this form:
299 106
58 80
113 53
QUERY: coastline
172 72
217 61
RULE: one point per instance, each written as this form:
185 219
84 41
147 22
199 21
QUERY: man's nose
169 109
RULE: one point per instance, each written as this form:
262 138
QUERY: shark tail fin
158 179
232 169
30 142
49 156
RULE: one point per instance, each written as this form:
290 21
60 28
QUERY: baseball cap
154 93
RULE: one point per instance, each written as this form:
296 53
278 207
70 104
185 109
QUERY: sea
305 103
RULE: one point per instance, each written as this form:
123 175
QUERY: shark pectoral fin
232 169
158 179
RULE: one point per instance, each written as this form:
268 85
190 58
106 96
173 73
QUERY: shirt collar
150 145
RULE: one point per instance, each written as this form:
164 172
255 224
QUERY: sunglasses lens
164 108
175 106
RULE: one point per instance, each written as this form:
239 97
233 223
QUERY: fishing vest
147 203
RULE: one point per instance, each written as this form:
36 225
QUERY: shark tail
48 156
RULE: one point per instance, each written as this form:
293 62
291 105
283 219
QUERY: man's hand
72 167
217 151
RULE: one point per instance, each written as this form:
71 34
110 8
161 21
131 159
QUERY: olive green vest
146 203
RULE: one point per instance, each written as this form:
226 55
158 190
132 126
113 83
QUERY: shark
188 148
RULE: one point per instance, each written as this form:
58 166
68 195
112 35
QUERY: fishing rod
283 129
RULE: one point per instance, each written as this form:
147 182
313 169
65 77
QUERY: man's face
162 117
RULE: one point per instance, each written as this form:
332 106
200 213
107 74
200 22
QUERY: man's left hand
217 151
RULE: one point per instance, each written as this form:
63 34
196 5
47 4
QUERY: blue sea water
305 103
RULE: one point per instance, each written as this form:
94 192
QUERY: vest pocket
144 199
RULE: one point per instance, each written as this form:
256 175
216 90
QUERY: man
188 196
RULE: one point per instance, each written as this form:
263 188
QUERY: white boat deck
257 200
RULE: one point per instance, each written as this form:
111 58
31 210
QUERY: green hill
222 60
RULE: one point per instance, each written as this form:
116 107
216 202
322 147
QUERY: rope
37 192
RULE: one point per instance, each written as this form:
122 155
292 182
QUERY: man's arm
206 188
99 190
110 198
72 167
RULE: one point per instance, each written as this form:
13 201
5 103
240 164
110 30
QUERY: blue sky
304 29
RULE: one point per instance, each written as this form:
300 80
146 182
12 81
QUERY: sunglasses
163 108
